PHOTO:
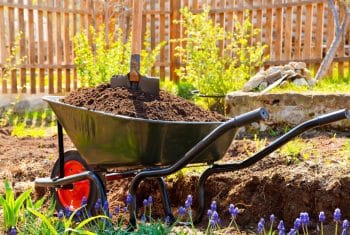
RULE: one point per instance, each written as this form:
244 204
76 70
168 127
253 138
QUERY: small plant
213 72
98 62
295 151
12 207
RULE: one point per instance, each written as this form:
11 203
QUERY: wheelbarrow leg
166 202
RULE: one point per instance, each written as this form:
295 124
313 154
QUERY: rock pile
295 72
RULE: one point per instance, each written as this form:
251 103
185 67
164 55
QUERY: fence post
175 6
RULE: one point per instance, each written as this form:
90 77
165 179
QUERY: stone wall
289 108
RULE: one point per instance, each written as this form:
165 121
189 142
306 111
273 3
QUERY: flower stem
321 228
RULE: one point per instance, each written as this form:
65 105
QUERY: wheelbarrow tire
72 198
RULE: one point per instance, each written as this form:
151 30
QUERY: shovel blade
145 84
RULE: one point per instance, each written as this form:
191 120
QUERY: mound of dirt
130 103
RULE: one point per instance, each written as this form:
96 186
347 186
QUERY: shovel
134 79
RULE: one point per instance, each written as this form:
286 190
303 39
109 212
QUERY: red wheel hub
72 197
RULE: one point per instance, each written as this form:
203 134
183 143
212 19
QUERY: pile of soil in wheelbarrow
138 104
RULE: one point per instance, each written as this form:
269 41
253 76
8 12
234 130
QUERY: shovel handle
136 40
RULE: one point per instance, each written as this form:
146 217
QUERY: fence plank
288 34
318 50
298 26
268 29
162 38
11 28
31 42
341 51
22 46
66 42
3 49
259 18
75 31
50 47
279 32
59 46
330 33
175 5
153 31
41 48
308 32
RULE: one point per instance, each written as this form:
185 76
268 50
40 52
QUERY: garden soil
138 104
276 184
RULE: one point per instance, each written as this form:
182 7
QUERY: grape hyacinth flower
215 217
189 199
181 211
143 218
345 224
281 228
337 218
233 212
67 212
272 221
150 200
213 206
261 226
60 214
297 224
125 209
322 219
84 201
128 199
167 219
292 231
344 232
117 210
13 231
337 215
305 220
145 202
209 213
105 207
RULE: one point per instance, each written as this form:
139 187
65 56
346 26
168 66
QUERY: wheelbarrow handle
332 117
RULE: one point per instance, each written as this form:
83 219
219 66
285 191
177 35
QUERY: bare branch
335 13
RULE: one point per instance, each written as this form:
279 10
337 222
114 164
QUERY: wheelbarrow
139 149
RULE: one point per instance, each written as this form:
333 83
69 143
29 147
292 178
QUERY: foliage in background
96 64
13 61
210 71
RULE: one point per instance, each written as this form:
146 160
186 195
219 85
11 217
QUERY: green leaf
86 221
45 220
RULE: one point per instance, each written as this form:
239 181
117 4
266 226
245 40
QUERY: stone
254 82
300 82
307 74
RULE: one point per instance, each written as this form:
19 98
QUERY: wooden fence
46 28
294 30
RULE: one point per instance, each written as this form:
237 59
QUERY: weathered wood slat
288 34
11 32
22 47
59 46
31 42
162 38
66 46
3 49
41 48
50 47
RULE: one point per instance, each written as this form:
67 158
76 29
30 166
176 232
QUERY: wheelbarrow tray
109 140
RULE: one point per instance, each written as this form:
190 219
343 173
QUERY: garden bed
318 178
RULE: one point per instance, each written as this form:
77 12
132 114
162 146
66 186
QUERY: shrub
212 72
97 63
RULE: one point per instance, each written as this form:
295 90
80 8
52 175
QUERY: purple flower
150 200
212 223
209 213
345 224
297 224
280 226
272 218
167 219
67 212
128 199
60 214
215 217
343 232
337 215
261 225
322 217
145 202
233 210
78 214
125 209
13 231
190 199
117 210
304 218
187 204
181 211
292 231
84 201
105 206
143 218
213 206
